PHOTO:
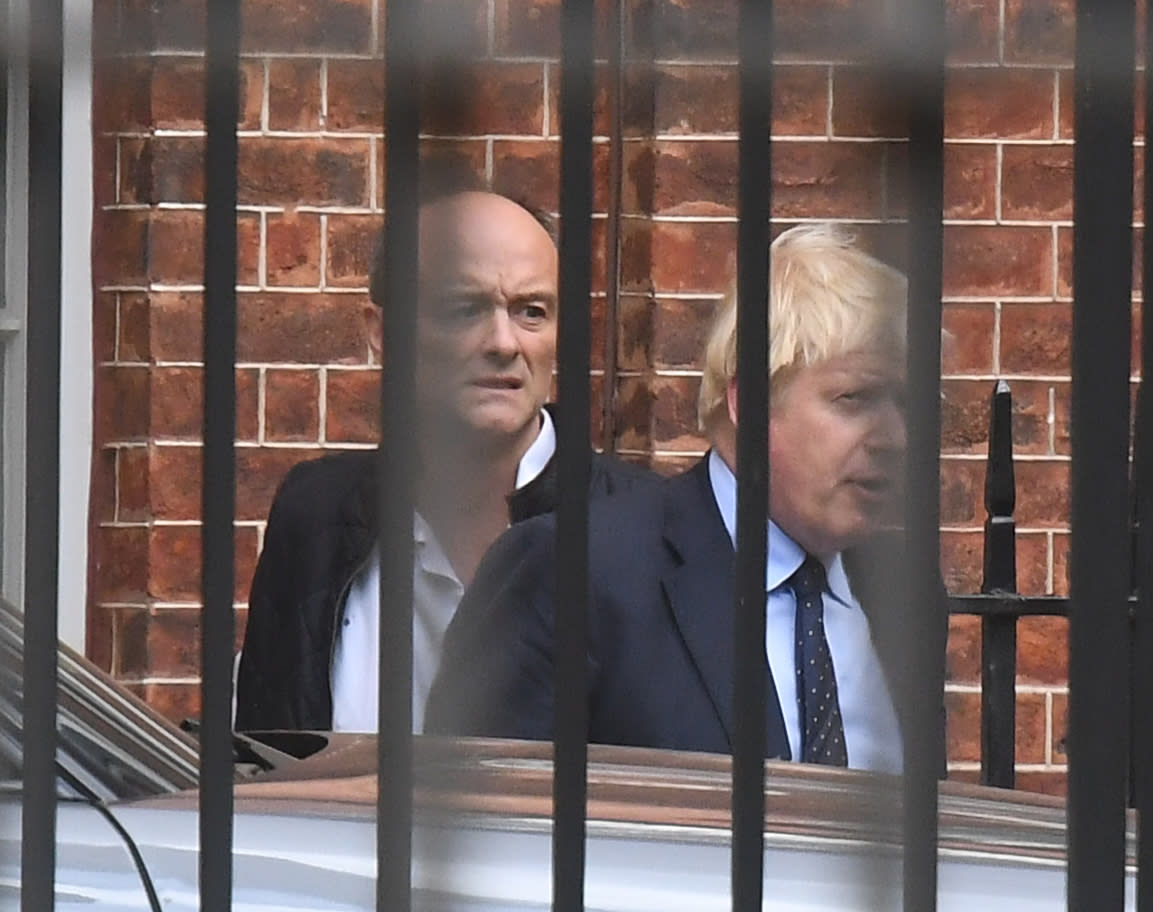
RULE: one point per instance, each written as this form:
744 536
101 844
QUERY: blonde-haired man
661 562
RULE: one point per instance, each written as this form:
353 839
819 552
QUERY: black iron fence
1107 554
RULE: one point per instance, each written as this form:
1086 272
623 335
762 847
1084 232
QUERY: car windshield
111 746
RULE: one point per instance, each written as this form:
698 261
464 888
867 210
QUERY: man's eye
461 309
534 313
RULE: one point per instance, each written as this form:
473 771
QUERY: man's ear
731 400
374 328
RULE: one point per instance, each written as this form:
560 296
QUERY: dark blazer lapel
699 588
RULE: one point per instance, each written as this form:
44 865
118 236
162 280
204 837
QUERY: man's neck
463 493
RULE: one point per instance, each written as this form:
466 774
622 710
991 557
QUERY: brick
827 180
454 29
121 97
135 171
485 97
964 417
175 171
176 329
1060 727
679 330
294 94
121 236
458 158
293 328
104 316
695 178
177 86
352 407
104 185
695 100
133 494
99 633
292 405
160 641
961 560
102 500
635 319
1043 782
133 329
868 101
636 256
963 658
963 728
340 26
355 95
258 473
176 702
800 100
674 414
177 25
177 403
1065 104
1031 433
968 347
1032 563
1061 545
121 403
176 247
999 104
634 413
530 171
1036 338
1043 494
1032 745
175 571
289 172
532 28
350 247
292 249
693 257
1043 650
998 260
971 30
1039 31
1037 183
970 181
830 29
962 491
175 485
120 564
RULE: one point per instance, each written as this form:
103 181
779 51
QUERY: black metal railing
1103 563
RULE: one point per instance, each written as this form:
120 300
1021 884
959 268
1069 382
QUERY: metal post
396 465
42 472
750 685
570 750
219 492
999 632
1099 566
925 625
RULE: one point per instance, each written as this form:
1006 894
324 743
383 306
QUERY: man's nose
890 430
501 341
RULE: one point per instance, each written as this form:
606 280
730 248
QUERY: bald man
486 336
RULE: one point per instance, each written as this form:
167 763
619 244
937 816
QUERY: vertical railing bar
570 749
616 40
924 653
754 209
1141 670
221 98
396 459
42 472
999 633
1142 577
1099 570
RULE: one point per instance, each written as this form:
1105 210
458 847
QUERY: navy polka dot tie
817 705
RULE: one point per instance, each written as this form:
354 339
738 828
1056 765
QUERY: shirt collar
785 555
537 456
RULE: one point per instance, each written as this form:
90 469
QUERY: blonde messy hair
827 297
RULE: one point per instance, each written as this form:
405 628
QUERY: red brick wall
311 178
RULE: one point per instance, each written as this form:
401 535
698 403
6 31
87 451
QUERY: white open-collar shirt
872 735
436 593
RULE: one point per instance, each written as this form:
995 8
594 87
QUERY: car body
658 823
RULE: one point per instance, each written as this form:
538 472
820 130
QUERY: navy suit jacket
660 664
